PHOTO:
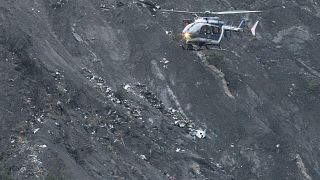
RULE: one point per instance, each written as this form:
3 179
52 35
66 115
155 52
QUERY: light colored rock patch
156 70
175 99
253 98
302 168
113 41
308 68
293 37
76 35
217 73
252 157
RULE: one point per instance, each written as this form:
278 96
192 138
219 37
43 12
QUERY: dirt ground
101 89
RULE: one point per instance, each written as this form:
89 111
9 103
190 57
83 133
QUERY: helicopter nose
187 36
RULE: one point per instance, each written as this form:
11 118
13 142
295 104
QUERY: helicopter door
205 31
216 33
210 32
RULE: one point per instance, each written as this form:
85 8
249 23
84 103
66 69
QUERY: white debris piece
28 100
36 130
108 90
143 157
43 146
93 132
127 87
168 32
278 145
201 133
59 103
181 124
164 61
76 35
39 120
219 165
151 120
22 170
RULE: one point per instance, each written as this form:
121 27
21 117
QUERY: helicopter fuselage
204 31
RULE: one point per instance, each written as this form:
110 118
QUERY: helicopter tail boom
242 27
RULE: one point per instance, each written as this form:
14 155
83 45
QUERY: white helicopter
205 30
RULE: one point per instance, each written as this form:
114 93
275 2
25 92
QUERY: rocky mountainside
100 89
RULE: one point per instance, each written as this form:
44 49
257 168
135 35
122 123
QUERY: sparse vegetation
52 177
313 86
177 37
216 59
4 174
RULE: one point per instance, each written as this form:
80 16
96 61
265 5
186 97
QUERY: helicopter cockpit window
216 30
194 27
206 30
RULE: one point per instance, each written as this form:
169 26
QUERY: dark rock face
96 89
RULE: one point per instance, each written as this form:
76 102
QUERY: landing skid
192 47
215 47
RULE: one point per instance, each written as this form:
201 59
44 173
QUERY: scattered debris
36 130
201 133
181 123
165 62
43 146
59 4
104 7
169 32
291 90
76 35
119 4
127 87
143 157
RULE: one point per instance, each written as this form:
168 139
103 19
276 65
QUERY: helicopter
205 31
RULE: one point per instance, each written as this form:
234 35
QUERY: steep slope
96 89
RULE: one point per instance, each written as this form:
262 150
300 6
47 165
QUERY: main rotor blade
232 12
210 12
177 11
